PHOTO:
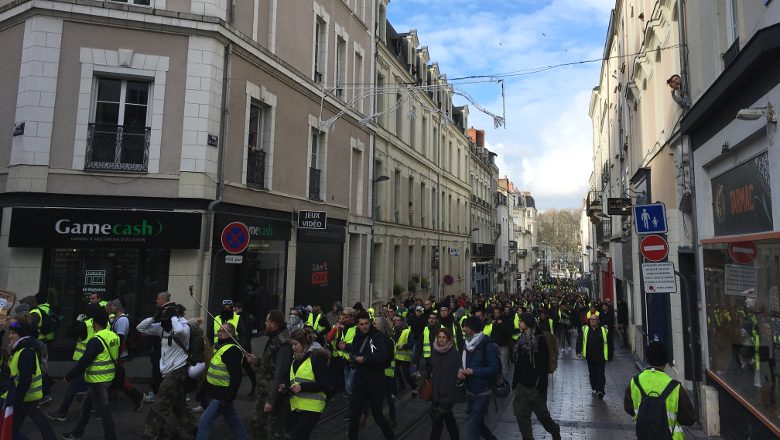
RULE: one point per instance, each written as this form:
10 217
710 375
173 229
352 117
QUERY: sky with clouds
546 145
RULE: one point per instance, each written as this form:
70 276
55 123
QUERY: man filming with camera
170 417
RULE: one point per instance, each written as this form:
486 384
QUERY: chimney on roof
477 136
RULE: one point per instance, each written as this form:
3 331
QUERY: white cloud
546 146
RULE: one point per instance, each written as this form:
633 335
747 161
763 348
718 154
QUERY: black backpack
49 322
651 419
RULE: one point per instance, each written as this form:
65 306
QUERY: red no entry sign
235 238
743 252
654 248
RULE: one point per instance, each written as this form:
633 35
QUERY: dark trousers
126 387
529 400
596 374
303 423
363 394
337 367
250 372
155 360
31 409
611 344
441 415
76 385
403 374
97 398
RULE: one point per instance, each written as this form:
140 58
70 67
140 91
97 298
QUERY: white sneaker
149 397
187 398
197 409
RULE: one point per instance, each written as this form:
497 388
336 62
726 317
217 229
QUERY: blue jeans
230 415
349 378
77 385
475 421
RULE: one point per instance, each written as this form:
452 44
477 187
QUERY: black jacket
232 358
377 353
444 376
531 369
595 352
502 333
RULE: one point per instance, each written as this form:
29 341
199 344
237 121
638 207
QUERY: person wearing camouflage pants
273 375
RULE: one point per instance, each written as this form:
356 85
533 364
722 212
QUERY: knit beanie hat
474 323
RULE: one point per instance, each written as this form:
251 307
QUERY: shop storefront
319 264
256 276
741 281
122 254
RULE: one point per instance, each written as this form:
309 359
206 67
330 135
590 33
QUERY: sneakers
593 392
197 409
187 398
149 397
56 417
70 436
45 401
600 395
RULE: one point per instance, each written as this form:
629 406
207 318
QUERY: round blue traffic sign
235 238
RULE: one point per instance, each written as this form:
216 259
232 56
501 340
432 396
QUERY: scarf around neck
471 344
528 345
442 348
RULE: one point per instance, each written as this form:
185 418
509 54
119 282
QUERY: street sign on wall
650 218
235 238
654 248
743 252
619 206
659 277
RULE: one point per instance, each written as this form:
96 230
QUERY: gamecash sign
85 228
312 220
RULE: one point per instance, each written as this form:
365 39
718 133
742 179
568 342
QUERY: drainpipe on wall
208 262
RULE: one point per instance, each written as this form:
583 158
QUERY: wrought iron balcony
255 169
314 183
117 148
604 231
594 204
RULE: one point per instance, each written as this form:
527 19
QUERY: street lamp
751 114
376 180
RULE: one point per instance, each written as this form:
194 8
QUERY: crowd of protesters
456 349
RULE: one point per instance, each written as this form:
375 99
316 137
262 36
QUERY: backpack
552 351
199 349
651 419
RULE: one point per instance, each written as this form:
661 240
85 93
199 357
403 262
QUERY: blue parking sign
650 218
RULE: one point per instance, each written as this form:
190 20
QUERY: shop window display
743 319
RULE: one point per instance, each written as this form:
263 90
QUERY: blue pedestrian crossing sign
650 218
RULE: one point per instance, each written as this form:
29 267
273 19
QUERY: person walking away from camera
677 410
308 384
371 354
170 417
273 375
98 367
530 379
223 379
445 364
593 347
481 366
25 372
121 326
403 355
82 330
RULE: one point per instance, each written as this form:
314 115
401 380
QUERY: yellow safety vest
103 367
403 354
516 336
654 382
218 323
47 309
313 402
488 330
315 323
349 336
103 304
35 392
81 344
390 370
218 374
585 331
550 322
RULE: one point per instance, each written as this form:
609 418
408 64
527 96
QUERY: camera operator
170 415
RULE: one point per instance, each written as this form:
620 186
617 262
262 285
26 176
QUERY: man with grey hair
121 326
161 299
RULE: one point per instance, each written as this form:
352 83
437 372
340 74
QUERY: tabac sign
742 198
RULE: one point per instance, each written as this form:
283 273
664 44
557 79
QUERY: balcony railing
314 183
117 148
594 204
604 231
255 169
